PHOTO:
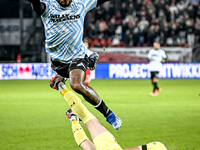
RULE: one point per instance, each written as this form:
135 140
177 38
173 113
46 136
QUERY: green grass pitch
32 116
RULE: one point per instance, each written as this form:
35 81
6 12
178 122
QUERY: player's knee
77 87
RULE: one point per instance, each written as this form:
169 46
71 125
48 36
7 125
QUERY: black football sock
155 86
103 108
144 147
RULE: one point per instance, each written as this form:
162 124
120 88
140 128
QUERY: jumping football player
63 23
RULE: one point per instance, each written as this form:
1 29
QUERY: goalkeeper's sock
75 103
78 132
103 108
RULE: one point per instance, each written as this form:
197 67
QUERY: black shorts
154 74
63 69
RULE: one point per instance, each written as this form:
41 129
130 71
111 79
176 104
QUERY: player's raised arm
38 7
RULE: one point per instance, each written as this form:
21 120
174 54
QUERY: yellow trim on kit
64 91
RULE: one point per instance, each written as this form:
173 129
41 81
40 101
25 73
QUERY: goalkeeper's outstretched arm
38 6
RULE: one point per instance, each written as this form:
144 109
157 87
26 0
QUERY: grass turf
32 116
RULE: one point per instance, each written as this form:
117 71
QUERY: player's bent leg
73 100
101 137
58 83
87 145
76 83
106 141
95 128
77 77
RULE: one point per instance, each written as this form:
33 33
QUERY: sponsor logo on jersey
59 18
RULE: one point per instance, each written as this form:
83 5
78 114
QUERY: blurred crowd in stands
131 23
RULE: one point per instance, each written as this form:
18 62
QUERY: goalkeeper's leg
79 134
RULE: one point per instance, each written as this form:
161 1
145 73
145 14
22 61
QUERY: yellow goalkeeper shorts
106 141
156 146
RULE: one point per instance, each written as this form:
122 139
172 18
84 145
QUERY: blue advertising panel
140 70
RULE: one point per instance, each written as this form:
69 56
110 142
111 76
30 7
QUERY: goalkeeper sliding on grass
102 138
63 23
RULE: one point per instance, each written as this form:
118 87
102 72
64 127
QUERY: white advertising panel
28 71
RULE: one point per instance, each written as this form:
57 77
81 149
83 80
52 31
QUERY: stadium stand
141 22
